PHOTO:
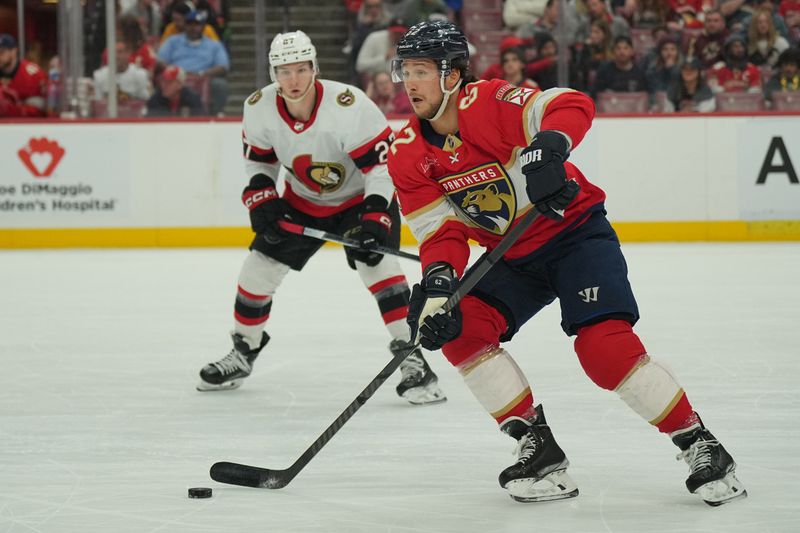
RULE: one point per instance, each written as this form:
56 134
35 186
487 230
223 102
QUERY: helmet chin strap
299 98
445 98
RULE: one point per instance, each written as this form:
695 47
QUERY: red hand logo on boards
41 156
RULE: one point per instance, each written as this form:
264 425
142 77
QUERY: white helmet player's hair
291 47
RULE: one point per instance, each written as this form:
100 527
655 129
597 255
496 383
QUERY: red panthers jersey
469 185
24 91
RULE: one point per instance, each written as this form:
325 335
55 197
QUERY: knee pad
482 326
261 275
608 351
615 359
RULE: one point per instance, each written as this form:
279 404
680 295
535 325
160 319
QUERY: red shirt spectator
495 70
736 74
383 92
22 83
687 13
788 6
144 58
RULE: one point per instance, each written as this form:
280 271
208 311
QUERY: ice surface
101 429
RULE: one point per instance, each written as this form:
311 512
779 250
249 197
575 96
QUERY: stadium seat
659 102
479 22
126 109
740 101
623 103
201 85
482 5
784 101
642 41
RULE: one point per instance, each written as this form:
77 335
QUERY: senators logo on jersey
319 176
485 195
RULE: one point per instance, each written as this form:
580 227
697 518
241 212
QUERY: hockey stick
291 227
265 478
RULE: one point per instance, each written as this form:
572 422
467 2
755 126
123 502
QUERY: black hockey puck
199 492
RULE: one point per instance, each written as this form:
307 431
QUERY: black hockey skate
418 384
540 473
712 474
229 372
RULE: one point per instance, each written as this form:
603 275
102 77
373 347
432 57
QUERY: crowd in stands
171 60
629 55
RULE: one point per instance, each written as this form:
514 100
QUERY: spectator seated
622 103
728 101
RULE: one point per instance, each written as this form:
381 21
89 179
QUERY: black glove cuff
439 268
375 202
555 141
261 181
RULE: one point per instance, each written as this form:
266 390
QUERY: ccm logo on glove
253 199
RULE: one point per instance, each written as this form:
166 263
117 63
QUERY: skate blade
722 491
556 485
426 395
204 386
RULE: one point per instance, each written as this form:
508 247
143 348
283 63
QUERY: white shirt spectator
519 12
374 54
133 81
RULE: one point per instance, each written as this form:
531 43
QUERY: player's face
294 78
421 81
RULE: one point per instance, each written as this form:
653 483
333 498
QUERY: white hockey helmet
291 47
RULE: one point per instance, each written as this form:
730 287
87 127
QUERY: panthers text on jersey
332 160
469 185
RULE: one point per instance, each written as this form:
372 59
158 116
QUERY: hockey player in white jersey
333 142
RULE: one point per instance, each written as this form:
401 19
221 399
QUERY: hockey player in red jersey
476 157
22 83
333 142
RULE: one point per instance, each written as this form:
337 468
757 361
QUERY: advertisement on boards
769 169
54 177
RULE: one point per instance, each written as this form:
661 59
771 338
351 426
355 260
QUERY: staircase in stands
325 21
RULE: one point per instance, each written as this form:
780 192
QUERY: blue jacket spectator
198 55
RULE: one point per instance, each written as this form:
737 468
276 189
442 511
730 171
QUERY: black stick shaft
252 476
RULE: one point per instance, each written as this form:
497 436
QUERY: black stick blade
249 476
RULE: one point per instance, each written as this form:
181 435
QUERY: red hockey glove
374 230
266 208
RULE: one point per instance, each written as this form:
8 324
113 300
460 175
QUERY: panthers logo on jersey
319 176
485 195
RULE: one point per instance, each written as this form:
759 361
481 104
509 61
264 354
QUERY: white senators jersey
332 160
